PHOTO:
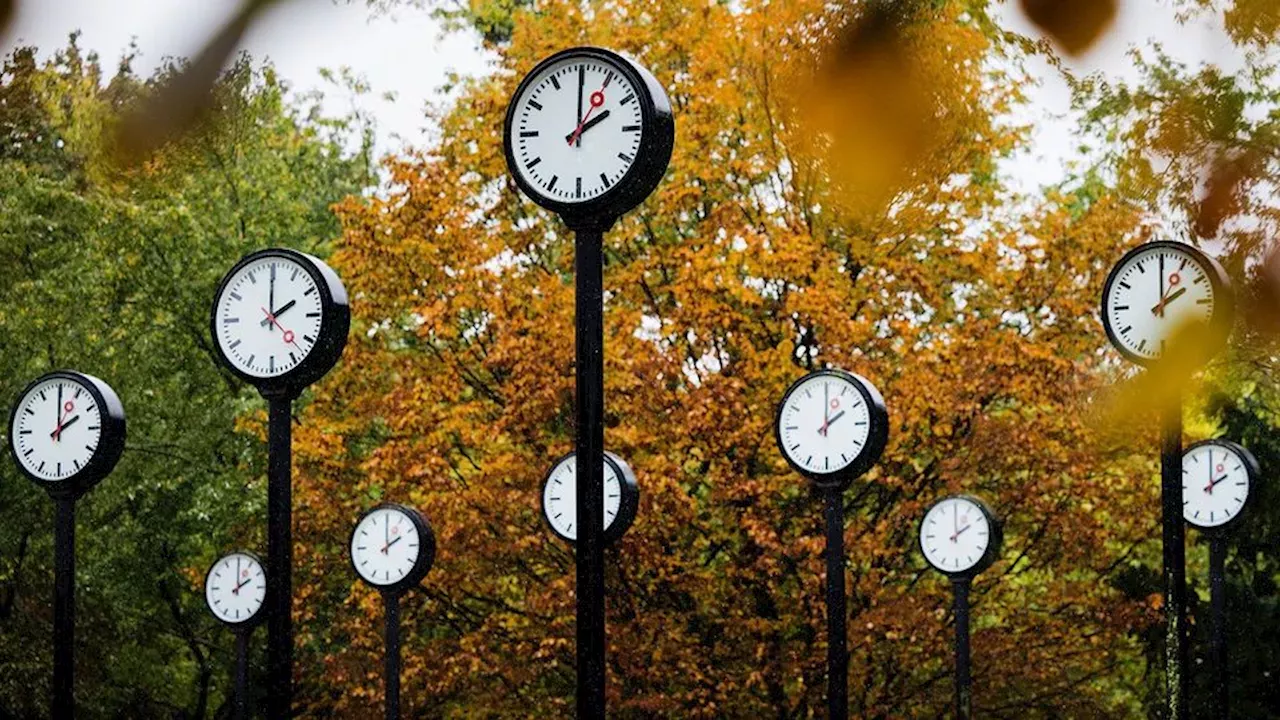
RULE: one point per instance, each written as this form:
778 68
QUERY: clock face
824 424
559 497
56 429
268 317
1154 292
955 535
1215 485
576 129
385 546
235 588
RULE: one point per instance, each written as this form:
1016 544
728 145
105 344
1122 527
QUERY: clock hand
597 99
271 290
587 126
57 411
266 322
826 407
1158 310
1160 275
57 434
288 334
1213 483
67 409
959 532
386 537
393 542
582 79
236 590
833 419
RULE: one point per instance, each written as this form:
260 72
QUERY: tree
1195 149
768 251
112 271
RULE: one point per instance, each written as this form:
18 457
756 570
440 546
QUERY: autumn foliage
764 254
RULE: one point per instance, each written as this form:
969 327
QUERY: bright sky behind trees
406 54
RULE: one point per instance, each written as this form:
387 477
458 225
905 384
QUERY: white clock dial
560 500
268 316
1215 485
235 588
576 129
385 546
955 535
56 429
824 424
1155 293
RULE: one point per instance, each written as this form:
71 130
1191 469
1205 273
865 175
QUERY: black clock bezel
628 504
1223 299
258 615
335 324
110 441
877 431
426 549
1252 469
657 139
994 545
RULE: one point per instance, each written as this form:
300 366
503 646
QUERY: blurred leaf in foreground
1227 180
177 106
1076 24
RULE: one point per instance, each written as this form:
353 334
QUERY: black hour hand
58 433
267 321
587 126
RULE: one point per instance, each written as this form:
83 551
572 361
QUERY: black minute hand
587 126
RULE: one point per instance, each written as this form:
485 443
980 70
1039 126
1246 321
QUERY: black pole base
1219 660
64 606
964 680
589 401
837 610
1175 563
391 656
279 556
240 696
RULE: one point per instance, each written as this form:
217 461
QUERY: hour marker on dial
559 497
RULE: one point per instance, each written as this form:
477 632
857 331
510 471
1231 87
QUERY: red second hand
597 100
288 334
67 408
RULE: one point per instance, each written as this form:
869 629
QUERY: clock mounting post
588 135
1157 296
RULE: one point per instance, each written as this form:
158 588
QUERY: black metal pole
1219 662
392 654
1175 562
589 347
64 607
964 682
837 636
240 698
279 557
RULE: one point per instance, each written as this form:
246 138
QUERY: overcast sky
404 54
407 55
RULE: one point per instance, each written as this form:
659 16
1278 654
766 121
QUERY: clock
1158 288
67 431
1217 476
960 536
560 500
235 588
831 427
392 547
588 134
280 320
